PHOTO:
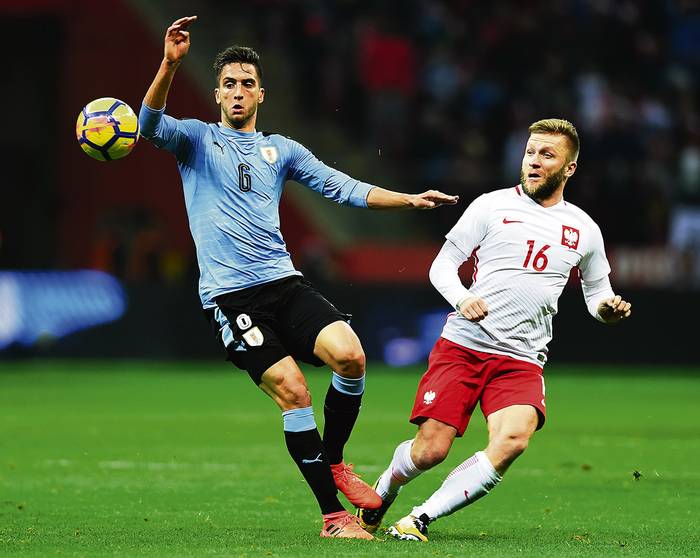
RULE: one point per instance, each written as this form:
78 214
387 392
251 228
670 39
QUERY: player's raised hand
432 199
612 310
177 39
473 308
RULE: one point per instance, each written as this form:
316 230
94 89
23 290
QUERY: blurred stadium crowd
446 91
439 93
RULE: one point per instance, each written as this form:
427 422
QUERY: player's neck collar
528 199
235 133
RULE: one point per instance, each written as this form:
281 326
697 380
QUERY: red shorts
458 378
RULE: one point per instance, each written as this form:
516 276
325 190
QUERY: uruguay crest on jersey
269 153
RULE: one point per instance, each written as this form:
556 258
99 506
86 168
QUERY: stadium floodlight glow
37 305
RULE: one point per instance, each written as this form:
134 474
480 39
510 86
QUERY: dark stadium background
405 94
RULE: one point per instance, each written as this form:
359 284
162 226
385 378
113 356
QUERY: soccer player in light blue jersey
261 309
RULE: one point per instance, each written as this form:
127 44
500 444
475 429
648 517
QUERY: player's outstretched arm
177 44
379 198
612 310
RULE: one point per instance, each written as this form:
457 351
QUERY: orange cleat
342 525
360 494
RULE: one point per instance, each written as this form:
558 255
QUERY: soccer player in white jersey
524 241
259 306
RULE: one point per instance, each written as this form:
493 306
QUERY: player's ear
570 169
216 96
261 95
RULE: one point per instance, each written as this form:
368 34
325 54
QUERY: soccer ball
107 129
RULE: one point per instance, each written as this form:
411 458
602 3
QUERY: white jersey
523 255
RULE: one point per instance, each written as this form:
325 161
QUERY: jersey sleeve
594 264
306 169
179 137
471 228
594 293
444 274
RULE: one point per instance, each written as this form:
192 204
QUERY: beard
240 120
546 189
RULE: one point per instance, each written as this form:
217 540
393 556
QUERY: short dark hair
240 54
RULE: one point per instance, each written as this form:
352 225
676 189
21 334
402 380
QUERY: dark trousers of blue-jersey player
264 329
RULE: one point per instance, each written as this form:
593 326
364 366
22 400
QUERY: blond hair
560 127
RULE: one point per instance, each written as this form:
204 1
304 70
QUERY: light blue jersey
233 182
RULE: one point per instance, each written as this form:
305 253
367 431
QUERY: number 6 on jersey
245 181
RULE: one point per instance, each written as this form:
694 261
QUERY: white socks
468 482
401 471
465 484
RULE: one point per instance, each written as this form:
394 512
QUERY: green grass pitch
188 460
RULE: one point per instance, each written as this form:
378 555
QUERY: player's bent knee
428 457
518 445
350 362
338 346
512 445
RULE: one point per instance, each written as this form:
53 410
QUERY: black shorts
261 325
